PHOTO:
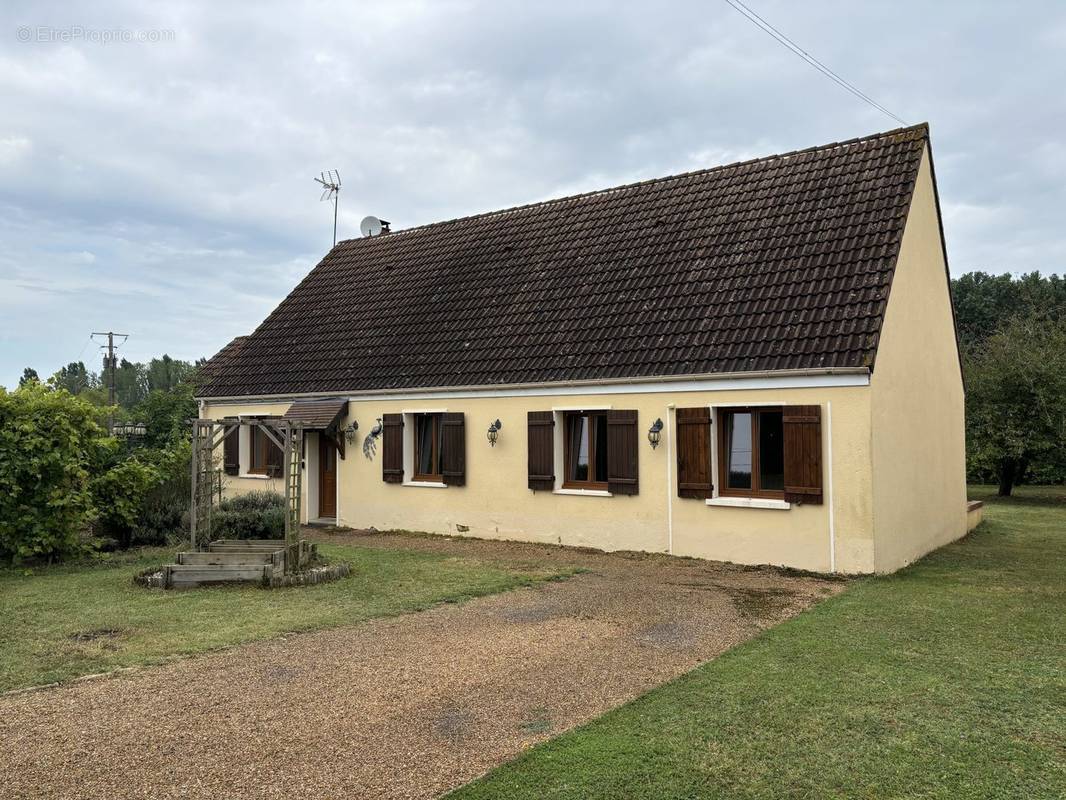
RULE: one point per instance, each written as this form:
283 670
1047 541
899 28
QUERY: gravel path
404 707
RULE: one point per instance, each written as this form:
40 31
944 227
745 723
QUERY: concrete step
188 575
233 557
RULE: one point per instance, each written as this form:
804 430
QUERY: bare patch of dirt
667 634
760 602
96 634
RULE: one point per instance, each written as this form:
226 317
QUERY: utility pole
110 363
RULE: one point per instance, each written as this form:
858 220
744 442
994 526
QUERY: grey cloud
184 167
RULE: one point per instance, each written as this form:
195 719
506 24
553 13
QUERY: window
585 450
751 452
264 457
424 448
427 447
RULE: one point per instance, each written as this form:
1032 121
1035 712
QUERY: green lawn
61 622
946 680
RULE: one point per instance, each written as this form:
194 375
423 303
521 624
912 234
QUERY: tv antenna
331 190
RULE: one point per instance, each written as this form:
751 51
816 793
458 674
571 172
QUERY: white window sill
585 492
255 476
749 502
426 484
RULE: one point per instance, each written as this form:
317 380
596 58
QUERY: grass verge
61 622
945 680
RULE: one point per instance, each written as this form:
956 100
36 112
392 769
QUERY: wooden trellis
207 435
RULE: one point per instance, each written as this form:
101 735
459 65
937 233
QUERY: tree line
133 381
1012 336
158 393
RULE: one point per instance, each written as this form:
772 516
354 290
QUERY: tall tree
131 385
1016 383
75 378
29 374
164 374
166 415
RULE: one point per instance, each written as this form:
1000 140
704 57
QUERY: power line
769 29
82 351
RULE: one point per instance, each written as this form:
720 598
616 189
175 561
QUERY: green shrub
49 443
120 495
256 515
162 521
164 515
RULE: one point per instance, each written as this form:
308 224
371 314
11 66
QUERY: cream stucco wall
918 409
496 502
240 484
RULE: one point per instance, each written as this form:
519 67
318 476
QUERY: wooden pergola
207 435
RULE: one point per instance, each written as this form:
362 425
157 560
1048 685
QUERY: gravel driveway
402 707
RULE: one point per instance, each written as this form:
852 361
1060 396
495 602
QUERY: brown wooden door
327 477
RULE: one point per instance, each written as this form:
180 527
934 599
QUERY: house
753 363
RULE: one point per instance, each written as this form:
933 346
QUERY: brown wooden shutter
453 449
803 454
694 453
622 455
275 456
540 426
392 448
231 452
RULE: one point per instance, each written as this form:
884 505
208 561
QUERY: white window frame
716 500
244 459
409 448
559 451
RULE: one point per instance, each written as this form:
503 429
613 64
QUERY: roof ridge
921 128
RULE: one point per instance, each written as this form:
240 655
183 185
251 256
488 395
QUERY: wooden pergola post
193 464
288 435
292 437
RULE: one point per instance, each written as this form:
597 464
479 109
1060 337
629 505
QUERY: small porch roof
320 415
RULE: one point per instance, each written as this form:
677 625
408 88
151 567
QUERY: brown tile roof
219 364
774 264
317 414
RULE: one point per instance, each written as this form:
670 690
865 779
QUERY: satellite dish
370 226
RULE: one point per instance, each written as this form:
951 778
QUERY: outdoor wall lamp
349 432
655 433
494 432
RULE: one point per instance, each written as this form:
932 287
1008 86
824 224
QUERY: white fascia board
661 387
723 383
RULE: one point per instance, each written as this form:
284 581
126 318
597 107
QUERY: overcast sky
162 186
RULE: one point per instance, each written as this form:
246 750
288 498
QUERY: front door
327 477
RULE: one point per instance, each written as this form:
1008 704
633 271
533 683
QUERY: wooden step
233 557
189 575
247 545
271 542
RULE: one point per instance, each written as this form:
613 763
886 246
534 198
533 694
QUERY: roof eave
655 379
